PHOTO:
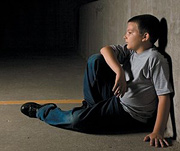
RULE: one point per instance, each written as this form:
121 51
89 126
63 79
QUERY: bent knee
95 57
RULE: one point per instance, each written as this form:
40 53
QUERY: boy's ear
146 37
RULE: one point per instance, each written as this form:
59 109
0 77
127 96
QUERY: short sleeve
121 52
160 76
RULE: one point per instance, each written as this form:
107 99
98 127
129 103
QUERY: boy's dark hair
147 23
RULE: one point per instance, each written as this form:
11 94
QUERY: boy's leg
105 115
103 110
102 106
98 80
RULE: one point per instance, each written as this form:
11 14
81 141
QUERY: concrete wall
104 22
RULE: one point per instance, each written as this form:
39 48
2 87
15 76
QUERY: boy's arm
120 82
157 136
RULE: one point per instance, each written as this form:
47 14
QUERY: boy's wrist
119 71
161 132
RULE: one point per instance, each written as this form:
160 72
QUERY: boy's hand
120 85
156 140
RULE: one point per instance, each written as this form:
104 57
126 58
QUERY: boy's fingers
124 91
117 95
120 91
122 94
166 142
161 142
151 142
114 87
156 142
117 91
146 138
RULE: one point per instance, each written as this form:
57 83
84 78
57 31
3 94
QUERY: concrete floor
51 78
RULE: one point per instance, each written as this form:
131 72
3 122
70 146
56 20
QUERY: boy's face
133 37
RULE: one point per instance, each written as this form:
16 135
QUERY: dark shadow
163 40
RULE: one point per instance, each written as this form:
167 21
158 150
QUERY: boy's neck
144 48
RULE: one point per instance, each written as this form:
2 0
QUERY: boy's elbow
105 49
102 50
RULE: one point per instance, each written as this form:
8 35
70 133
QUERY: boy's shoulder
155 56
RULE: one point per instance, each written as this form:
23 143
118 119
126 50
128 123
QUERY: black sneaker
30 109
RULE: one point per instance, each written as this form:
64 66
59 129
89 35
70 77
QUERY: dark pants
101 110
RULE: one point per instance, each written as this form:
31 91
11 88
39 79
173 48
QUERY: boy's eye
129 32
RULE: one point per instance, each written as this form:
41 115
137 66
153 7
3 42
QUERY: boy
124 88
